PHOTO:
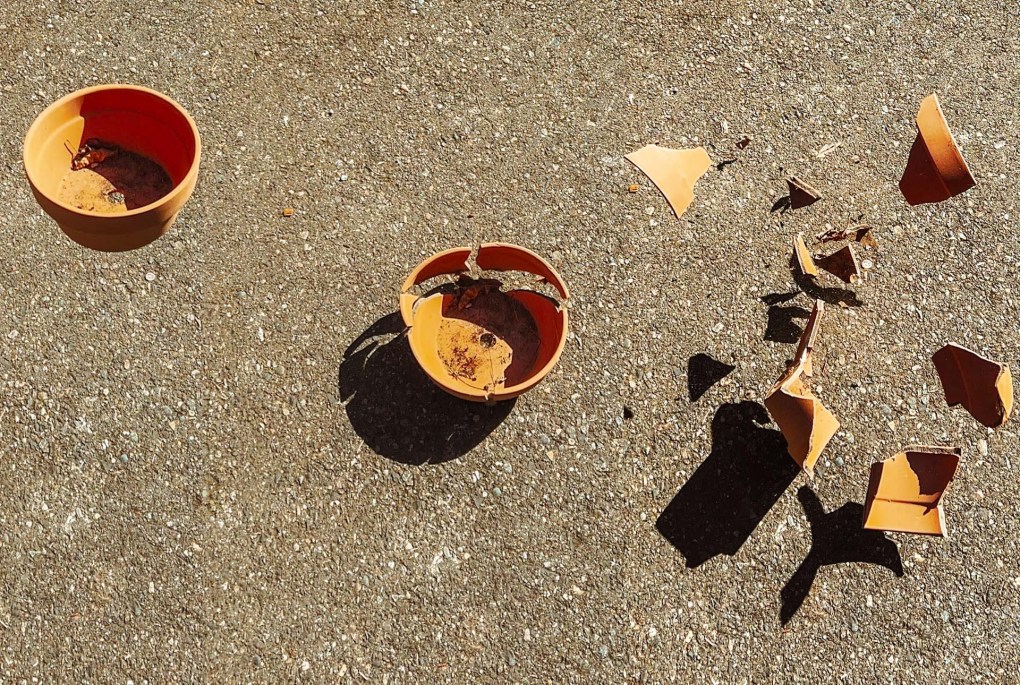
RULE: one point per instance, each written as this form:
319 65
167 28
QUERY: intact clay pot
936 170
476 341
134 119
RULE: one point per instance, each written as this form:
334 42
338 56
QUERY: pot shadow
398 411
719 507
139 180
781 327
703 372
837 537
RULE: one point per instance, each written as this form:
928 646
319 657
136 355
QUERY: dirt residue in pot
108 179
487 339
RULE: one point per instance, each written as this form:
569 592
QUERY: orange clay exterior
802 419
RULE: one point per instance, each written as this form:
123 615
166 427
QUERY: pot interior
134 120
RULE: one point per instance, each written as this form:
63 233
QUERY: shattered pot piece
858 234
842 264
982 386
801 194
802 256
905 492
476 341
805 423
936 170
674 172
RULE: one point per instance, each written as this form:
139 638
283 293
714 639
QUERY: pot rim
177 190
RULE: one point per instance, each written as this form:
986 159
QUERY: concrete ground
218 462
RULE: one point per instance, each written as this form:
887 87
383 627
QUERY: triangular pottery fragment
842 264
905 491
801 194
674 172
982 386
859 234
936 169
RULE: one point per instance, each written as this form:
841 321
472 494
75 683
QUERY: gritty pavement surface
219 463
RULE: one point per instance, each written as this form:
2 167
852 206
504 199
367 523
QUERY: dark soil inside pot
487 338
106 179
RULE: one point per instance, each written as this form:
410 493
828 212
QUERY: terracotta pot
474 340
133 118
936 170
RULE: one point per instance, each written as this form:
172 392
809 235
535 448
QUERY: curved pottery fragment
905 492
936 170
476 341
842 263
805 423
802 255
674 172
88 194
982 386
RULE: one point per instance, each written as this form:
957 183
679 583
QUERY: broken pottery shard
674 172
984 387
858 234
802 256
827 148
842 264
904 492
936 170
805 423
801 194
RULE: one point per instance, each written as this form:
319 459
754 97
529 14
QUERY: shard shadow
703 372
837 537
828 295
719 506
398 411
781 327
778 298
782 205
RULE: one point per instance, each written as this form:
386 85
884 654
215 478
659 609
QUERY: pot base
489 342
